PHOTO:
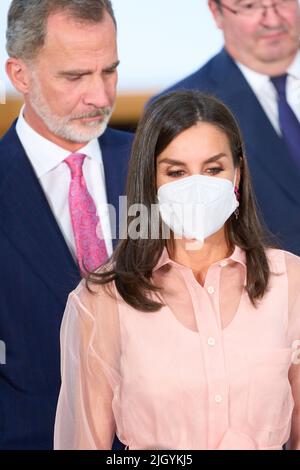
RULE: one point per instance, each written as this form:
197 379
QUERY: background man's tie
90 245
289 124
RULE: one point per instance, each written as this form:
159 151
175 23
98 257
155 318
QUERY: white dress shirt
266 93
47 160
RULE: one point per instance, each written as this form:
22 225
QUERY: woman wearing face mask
187 341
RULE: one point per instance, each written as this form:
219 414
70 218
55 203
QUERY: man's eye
110 71
74 78
249 6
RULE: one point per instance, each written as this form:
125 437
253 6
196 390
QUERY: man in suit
257 75
59 167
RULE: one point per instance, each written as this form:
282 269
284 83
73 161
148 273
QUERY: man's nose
99 94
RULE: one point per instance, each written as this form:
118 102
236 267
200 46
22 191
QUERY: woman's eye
175 174
214 171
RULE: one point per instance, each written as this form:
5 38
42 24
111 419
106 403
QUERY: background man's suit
37 274
275 177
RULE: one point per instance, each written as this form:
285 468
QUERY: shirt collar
258 80
163 260
294 68
238 256
43 154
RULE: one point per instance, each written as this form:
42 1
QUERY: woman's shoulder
91 294
283 260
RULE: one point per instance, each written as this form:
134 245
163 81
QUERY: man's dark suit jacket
275 177
37 274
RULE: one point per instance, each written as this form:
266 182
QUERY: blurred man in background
257 75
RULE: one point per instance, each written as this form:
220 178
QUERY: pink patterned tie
90 245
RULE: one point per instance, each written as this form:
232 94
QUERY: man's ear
216 12
18 73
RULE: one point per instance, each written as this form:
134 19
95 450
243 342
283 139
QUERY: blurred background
160 42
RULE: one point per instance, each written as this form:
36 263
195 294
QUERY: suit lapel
27 220
114 155
263 144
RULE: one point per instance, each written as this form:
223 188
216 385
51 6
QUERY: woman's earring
236 192
237 213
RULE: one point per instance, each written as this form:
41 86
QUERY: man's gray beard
65 127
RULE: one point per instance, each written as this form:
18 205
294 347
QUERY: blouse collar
238 256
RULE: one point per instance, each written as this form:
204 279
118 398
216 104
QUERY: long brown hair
133 261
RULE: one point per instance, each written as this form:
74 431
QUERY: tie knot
75 162
279 83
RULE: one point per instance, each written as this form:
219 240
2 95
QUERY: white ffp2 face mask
197 206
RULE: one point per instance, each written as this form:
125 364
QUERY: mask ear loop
237 193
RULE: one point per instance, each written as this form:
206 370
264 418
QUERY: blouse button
218 398
210 289
211 341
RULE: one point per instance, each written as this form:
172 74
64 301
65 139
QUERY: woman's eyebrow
172 161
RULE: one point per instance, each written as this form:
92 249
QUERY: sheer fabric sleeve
293 271
90 356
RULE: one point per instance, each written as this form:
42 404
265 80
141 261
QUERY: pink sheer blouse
184 377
